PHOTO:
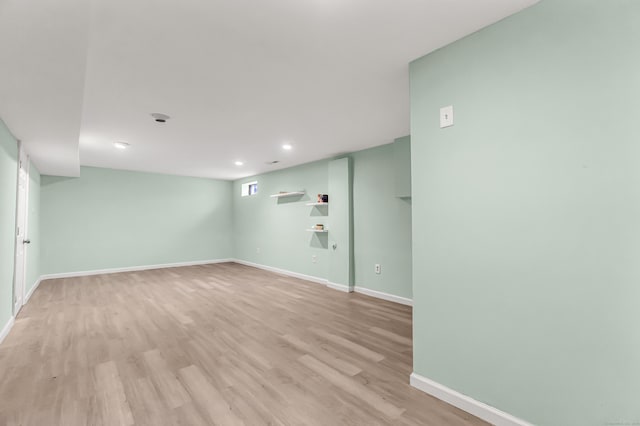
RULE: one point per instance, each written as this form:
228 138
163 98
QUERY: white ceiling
238 78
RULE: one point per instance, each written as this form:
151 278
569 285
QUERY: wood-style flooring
221 344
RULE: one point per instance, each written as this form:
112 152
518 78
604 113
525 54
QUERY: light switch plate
446 116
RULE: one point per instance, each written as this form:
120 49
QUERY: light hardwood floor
219 344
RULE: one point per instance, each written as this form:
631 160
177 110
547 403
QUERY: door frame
20 288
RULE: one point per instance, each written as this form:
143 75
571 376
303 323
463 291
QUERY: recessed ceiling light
239 163
287 147
121 145
159 117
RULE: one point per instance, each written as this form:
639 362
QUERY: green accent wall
33 230
402 159
382 220
341 230
273 231
380 224
8 185
117 219
526 236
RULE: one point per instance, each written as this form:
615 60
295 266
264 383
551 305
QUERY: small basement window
249 188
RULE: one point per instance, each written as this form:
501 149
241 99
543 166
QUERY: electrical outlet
314 258
258 250
378 268
446 116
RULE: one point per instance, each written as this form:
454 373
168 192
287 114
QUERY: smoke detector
159 117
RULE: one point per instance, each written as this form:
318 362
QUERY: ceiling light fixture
287 147
121 145
239 163
159 117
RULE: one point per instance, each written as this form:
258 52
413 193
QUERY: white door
21 231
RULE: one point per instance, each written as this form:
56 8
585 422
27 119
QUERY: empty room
320 212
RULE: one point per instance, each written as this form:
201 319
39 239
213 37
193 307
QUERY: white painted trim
132 269
282 271
23 157
384 296
334 286
30 293
340 287
465 403
6 329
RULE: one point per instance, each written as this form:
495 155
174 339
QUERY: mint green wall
8 185
33 230
340 232
526 236
402 159
382 222
113 219
277 226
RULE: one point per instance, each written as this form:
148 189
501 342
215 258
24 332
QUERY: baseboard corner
464 402
27 297
6 329
340 287
384 296
281 271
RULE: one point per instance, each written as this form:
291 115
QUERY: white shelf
287 194
317 230
318 204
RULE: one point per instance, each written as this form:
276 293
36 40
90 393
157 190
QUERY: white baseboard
465 403
340 287
35 286
132 269
6 329
282 271
385 296
311 278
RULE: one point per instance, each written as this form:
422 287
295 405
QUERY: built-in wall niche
320 208
319 238
319 228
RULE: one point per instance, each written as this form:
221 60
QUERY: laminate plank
211 344
167 384
111 399
348 344
208 397
352 387
146 404
322 355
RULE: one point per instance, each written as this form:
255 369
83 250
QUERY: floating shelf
317 204
287 194
318 230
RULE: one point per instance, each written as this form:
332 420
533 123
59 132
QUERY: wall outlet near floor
258 250
378 268
314 258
